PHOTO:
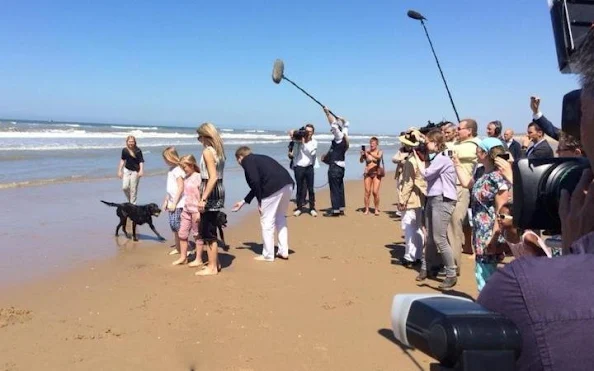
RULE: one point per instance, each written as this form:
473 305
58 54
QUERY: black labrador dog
222 223
139 214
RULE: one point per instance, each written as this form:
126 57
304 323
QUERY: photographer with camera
303 155
335 159
548 299
412 190
441 201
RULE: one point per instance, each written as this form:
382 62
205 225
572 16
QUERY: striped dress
216 199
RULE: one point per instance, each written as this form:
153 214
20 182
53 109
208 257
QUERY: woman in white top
174 198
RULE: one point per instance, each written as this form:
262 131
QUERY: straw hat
414 132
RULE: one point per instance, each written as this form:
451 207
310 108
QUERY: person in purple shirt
550 300
441 201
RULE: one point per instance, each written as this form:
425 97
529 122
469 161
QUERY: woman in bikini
372 176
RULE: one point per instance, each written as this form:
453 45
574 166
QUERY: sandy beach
327 308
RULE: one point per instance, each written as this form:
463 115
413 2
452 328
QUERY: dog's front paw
161 238
135 238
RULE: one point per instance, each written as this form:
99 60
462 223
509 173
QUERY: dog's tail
110 203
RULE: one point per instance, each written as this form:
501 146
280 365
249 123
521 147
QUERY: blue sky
186 62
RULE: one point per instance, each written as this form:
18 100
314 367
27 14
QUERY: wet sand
326 308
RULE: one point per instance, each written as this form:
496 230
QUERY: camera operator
304 159
412 190
335 159
465 149
548 299
441 201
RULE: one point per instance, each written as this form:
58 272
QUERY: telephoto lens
537 189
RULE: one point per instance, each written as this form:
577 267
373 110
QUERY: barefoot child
174 198
527 244
190 217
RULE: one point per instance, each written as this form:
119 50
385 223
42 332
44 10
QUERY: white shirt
306 153
172 176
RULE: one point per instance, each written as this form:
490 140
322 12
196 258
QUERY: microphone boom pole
417 16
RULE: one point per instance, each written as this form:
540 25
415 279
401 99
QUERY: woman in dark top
131 168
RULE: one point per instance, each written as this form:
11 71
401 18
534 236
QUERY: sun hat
488 143
412 132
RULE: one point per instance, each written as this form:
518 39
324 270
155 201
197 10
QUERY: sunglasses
504 216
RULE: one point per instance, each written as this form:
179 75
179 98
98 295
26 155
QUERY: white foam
134 127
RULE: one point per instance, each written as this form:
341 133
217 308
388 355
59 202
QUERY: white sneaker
297 213
313 213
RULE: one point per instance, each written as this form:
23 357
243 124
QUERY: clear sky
186 62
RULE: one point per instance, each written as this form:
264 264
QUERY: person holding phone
488 193
372 174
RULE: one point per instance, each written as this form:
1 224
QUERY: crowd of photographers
544 290
450 182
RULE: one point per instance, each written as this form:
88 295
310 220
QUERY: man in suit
537 117
514 147
538 147
271 184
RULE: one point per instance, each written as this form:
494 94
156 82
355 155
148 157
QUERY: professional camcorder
457 332
299 133
432 125
538 182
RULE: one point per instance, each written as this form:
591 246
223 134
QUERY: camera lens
564 176
537 189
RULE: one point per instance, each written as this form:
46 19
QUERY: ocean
52 176
39 153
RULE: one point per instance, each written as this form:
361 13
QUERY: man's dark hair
535 126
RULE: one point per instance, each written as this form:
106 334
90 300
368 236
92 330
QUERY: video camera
457 332
432 125
299 133
538 182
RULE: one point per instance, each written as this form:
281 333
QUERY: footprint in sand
13 316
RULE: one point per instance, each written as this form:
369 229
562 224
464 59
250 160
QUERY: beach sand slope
326 308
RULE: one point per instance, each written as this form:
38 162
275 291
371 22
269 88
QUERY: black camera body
538 182
299 134
537 189
432 125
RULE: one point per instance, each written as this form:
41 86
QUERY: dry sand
327 308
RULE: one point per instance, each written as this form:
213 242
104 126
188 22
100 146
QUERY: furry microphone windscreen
277 71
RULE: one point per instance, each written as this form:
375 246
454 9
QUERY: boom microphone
415 15
278 74
277 71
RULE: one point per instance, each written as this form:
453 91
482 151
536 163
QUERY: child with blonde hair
190 216
174 198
